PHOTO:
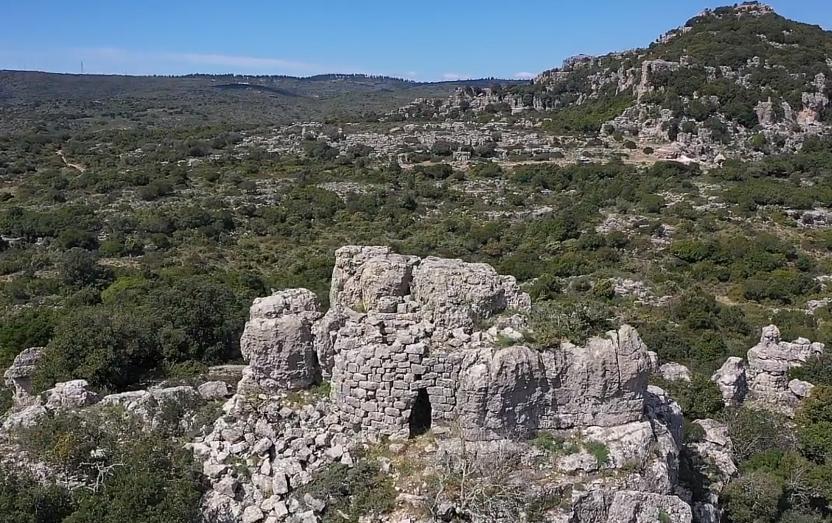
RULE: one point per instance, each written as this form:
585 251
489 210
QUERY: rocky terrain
414 367
599 296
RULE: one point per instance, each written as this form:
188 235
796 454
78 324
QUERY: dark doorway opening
420 414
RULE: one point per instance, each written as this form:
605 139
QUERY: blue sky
424 40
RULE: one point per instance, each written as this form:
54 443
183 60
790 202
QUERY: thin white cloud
247 62
113 59
451 77
523 75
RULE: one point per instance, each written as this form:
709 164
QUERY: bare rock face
731 380
455 294
627 506
514 391
712 456
213 390
504 393
170 407
325 332
19 376
365 274
605 382
769 363
643 507
278 344
658 405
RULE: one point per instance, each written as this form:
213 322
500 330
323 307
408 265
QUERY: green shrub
24 500
548 442
573 320
814 420
351 492
753 497
698 399
599 451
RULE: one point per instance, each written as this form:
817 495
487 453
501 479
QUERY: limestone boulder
644 507
455 294
160 408
626 506
325 332
18 377
674 372
774 356
713 456
278 343
213 390
769 363
74 394
24 417
363 275
514 391
503 393
603 383
732 382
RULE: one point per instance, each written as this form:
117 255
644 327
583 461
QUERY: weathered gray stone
732 382
674 372
73 394
277 342
18 377
769 363
213 390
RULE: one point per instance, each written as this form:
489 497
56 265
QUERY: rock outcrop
731 380
769 363
764 380
277 342
18 377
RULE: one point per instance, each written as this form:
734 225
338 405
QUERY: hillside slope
736 79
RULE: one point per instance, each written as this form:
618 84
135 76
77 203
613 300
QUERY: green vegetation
137 476
784 474
351 492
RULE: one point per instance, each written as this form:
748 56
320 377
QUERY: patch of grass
351 493
599 451
548 442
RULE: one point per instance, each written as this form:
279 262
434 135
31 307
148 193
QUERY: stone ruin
414 344
411 343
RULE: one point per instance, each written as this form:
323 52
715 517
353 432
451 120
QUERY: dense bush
146 476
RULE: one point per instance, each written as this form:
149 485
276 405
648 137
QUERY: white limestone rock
277 342
74 394
18 377
769 363
457 294
213 390
732 382
674 372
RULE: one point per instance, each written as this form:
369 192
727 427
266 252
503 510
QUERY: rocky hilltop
431 370
731 83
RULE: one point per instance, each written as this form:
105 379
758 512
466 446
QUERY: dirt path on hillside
77 166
